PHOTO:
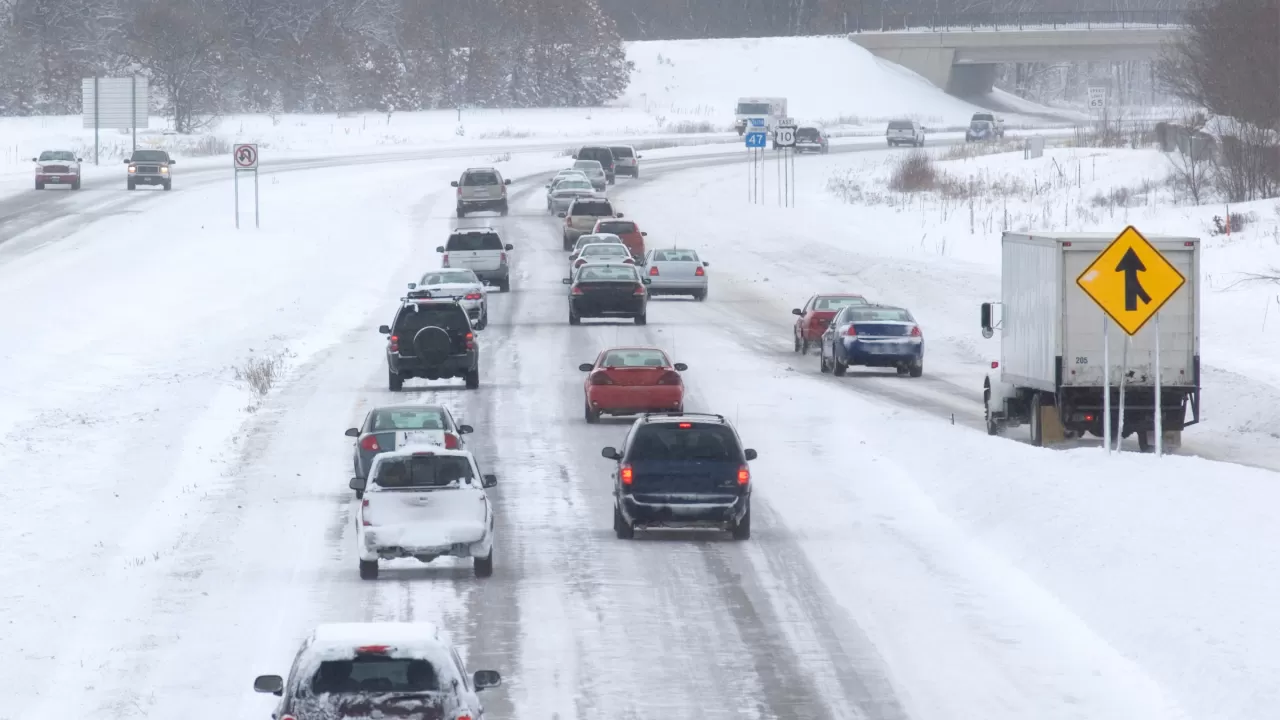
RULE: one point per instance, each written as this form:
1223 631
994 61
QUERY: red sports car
632 380
817 315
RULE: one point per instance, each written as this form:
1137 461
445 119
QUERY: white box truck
1051 365
773 110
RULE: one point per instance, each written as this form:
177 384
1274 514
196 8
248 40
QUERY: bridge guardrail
1022 20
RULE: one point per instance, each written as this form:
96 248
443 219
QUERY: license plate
55 179
880 349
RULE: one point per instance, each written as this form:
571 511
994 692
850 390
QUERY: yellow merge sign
1130 280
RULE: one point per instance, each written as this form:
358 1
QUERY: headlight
164 170
133 168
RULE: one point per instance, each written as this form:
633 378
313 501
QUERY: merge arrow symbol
1131 265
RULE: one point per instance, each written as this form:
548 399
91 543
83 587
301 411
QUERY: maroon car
813 319
57 167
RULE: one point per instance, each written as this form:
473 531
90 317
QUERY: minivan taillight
395 343
364 517
502 258
450 441
653 271
627 474
444 260
576 290
744 475
369 443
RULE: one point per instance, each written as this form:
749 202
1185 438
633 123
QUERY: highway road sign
1097 98
785 136
756 139
1130 280
756 122
245 156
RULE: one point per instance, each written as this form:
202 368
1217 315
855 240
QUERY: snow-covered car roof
416 640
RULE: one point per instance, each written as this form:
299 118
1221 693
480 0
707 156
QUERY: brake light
395 343
852 331
699 271
373 649
744 475
471 341
568 219
369 443
502 258
424 453
473 296
653 271
576 290
670 377
464 716
599 378
287 717
915 332
627 475
459 191
450 441
685 426
1088 418
364 516
639 290
444 260
995 364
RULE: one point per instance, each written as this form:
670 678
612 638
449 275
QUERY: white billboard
115 103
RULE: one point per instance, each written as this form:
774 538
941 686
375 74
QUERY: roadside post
785 139
755 139
1130 280
114 103
245 159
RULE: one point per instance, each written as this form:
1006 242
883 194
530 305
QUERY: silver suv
481 189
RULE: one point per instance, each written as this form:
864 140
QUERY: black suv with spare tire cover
431 338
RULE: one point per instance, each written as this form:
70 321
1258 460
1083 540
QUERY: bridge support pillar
969 80
932 63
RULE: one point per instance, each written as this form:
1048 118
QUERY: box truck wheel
1037 428
1144 440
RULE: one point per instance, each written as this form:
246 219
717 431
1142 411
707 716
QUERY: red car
632 380
817 315
625 229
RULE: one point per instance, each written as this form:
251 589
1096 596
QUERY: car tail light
568 219
473 296
459 191
576 290
450 441
639 290
685 426
444 260
852 331
464 716
1088 418
599 378
744 475
915 332
627 474
287 717
369 443
373 649
653 271
471 341
699 272
995 364
395 343
364 515
502 258
670 377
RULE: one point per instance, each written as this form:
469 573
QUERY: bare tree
178 42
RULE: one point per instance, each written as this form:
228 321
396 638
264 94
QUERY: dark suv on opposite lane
150 167
682 470
431 338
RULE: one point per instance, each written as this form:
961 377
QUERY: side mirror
647 281
562 215
357 484
797 311
619 215
639 157
566 281
485 679
750 454
706 264
548 186
173 162
645 234
36 159
127 161
413 285
490 481
273 684
453 184
506 182
384 329
586 367
439 248
465 429
610 453
508 247
681 367
79 159
987 330
353 432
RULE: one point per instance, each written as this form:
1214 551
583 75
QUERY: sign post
785 138
1130 281
114 103
245 159
755 138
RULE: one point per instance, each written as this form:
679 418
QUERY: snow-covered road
176 543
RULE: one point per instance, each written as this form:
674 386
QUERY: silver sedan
676 272
562 194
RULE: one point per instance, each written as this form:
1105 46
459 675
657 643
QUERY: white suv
391 670
905 132
424 503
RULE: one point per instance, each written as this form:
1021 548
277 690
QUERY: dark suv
681 471
431 338
150 167
605 157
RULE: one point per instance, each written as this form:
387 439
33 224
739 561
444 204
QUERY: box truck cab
1053 365
773 110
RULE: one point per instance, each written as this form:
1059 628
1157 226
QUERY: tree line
206 57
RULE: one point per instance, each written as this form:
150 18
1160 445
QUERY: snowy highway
191 542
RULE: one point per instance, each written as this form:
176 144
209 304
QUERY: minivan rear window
422 471
621 152
597 209
480 178
617 228
473 241
367 674
674 441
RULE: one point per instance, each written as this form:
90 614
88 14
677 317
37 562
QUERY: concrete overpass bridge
959 53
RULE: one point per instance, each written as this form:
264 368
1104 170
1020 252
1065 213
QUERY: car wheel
917 368
472 379
574 319
636 175
502 210
132 185
641 319
75 184
462 213
700 296
890 144
504 285
168 186
804 347
568 244
742 529
623 529
368 569
39 185
394 382
822 360
484 565
592 416
838 368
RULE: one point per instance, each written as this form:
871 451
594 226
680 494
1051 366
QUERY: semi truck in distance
1051 372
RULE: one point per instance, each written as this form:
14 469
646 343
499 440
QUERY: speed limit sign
785 136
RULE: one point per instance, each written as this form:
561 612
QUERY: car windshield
604 249
474 241
979 125
878 315
450 277
63 155
675 256
408 419
753 108
450 317
621 152
684 441
617 227
481 178
425 470
614 273
595 209
150 156
634 358
835 303
367 674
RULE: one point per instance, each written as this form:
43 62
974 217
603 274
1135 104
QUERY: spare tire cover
433 345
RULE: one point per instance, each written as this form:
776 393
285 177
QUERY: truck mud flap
1052 431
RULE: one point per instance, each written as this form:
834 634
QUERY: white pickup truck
481 251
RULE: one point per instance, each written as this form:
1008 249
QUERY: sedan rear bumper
882 353
608 308
632 400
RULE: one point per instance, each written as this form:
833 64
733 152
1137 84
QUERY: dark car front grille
148 169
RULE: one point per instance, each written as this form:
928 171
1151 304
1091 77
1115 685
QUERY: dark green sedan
397 427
